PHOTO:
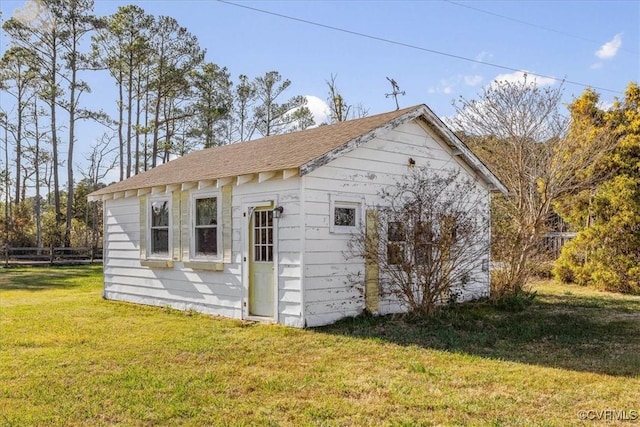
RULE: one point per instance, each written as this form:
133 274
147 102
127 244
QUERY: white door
261 274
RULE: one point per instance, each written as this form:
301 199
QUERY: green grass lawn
68 357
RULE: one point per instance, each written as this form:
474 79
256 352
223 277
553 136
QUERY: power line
530 24
415 47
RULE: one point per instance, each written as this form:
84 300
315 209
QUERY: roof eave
106 194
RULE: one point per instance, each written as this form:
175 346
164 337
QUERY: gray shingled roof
294 150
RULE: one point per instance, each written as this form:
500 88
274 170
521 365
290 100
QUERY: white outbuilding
259 230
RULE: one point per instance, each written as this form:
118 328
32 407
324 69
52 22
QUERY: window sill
204 265
156 263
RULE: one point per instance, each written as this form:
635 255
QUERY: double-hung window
159 228
396 242
423 242
206 235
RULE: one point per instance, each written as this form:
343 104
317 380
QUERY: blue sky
561 40
594 43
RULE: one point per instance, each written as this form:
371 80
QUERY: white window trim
338 201
150 254
192 226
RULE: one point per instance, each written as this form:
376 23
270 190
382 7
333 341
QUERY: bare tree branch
432 239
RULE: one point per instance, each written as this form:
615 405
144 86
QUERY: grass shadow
43 278
581 333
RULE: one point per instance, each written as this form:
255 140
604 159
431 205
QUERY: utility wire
519 21
415 47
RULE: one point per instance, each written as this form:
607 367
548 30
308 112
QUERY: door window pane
263 236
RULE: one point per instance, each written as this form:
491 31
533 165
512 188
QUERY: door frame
249 204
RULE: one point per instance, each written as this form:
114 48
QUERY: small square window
345 214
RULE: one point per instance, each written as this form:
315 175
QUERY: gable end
360 140
458 148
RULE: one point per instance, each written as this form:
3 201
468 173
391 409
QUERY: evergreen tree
176 53
271 117
212 104
121 45
34 28
18 74
606 250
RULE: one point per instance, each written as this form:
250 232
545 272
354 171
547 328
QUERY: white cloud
319 109
33 13
473 80
610 48
517 76
605 105
483 56
596 65
28 13
449 85
444 86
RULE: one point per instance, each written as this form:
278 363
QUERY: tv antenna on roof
395 93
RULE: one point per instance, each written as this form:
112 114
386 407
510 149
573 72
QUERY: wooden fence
553 242
50 256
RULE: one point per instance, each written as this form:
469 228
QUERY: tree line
169 101
606 215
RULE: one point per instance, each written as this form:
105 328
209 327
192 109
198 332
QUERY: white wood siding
126 279
214 292
289 258
334 285
480 283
